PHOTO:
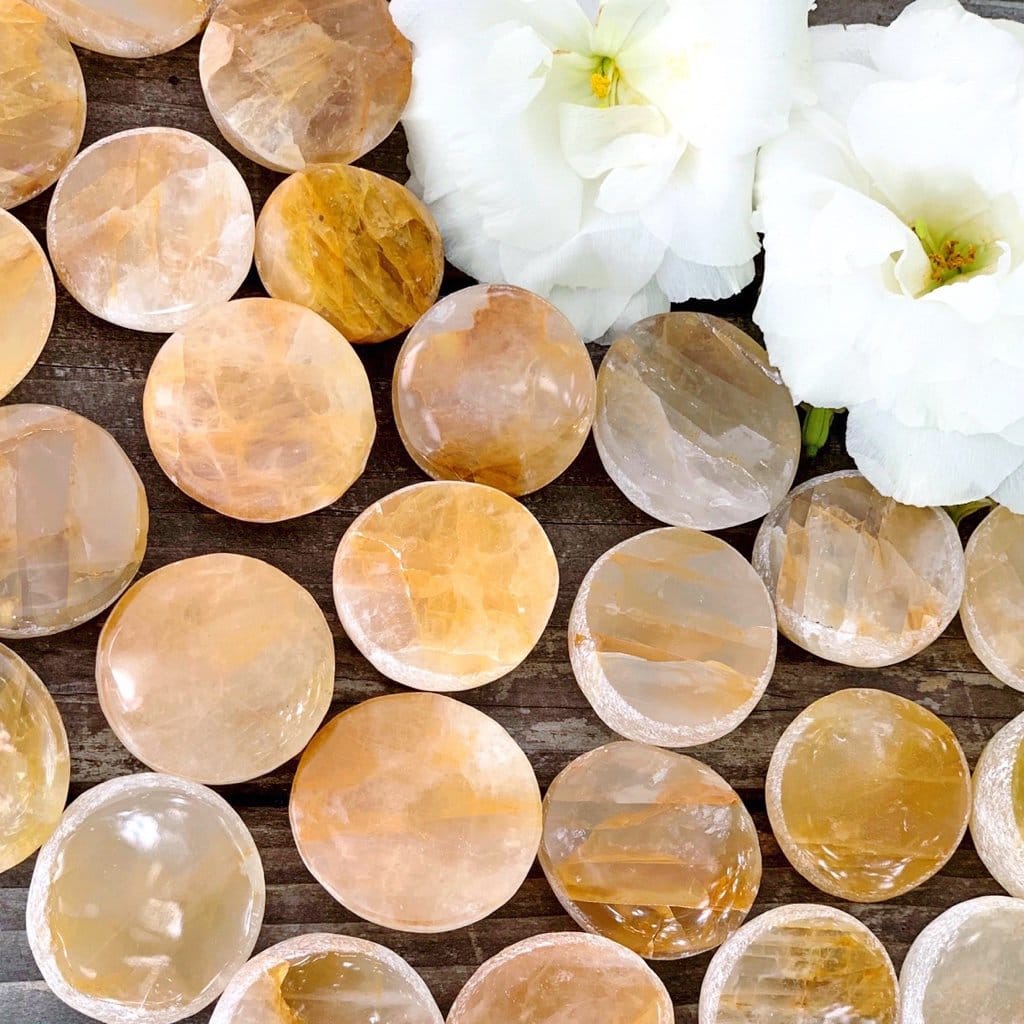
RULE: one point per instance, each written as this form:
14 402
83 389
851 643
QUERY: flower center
604 82
950 258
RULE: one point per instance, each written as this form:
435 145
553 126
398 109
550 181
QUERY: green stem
817 427
958 513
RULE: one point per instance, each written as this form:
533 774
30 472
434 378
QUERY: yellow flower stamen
604 82
949 257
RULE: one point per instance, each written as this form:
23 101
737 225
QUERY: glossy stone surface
145 901
260 410
305 81
353 246
445 586
868 794
42 103
801 964
219 669
672 638
73 520
416 812
150 228
856 577
563 978
495 386
327 979
35 766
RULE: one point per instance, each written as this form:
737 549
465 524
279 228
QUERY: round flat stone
672 638
145 901
306 82
35 766
150 228
445 586
551 979
857 578
495 386
260 410
229 644
73 520
801 964
327 979
416 812
353 246
868 795
42 103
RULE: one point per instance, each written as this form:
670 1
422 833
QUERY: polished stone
650 848
353 246
445 586
260 410
868 794
73 520
416 812
42 103
145 901
856 577
305 81
150 228
35 766
218 669
564 978
801 964
672 638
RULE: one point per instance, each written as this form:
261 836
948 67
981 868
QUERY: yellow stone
35 766
353 246
416 812
868 794
42 103
445 586
494 386
260 410
229 645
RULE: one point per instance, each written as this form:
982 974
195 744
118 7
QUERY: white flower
601 155
893 214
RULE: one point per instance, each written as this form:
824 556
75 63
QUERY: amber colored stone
416 812
353 246
35 766
869 794
445 586
42 103
150 228
145 901
857 578
260 410
801 964
494 386
305 81
672 638
73 520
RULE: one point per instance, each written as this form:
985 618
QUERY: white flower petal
1011 491
683 280
848 44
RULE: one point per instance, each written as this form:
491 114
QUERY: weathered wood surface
99 371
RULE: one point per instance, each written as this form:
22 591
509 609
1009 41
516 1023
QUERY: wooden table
99 370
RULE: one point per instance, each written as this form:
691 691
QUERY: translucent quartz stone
868 794
494 385
228 644
672 638
260 410
693 425
353 246
35 767
858 578
151 227
42 103
145 901
73 520
327 979
801 964
564 979
416 812
967 966
305 81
